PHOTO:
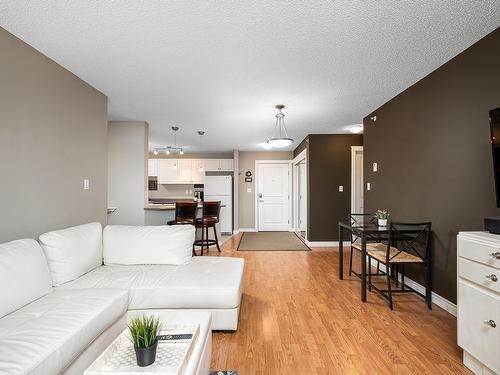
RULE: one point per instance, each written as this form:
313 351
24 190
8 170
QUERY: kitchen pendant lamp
280 137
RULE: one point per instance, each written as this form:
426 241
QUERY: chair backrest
360 219
185 211
413 238
211 209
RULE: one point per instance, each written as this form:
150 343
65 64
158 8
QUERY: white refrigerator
220 188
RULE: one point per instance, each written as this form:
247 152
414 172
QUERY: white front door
273 194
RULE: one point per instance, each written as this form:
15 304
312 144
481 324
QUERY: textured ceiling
221 66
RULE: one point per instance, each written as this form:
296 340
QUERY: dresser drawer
479 252
485 276
475 336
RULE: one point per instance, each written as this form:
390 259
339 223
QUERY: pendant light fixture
280 137
174 129
201 133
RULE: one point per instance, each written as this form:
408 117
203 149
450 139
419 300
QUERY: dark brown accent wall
328 166
431 143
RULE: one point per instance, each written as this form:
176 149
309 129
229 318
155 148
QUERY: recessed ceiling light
356 128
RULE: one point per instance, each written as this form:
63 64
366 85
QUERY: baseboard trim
247 230
438 300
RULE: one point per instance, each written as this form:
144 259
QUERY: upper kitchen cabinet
184 174
186 171
167 171
219 165
198 171
153 167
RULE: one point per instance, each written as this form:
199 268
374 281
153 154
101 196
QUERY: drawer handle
492 277
495 255
490 323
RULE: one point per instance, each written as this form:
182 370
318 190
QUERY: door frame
256 188
354 151
302 157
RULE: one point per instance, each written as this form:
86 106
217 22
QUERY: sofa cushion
204 283
72 252
165 244
24 274
48 334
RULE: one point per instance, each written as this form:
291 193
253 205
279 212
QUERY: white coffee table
200 356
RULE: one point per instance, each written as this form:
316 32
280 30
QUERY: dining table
364 231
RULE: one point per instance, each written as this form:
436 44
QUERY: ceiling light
155 152
267 146
201 133
167 152
356 128
181 152
280 138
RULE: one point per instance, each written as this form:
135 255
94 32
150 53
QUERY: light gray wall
127 171
52 136
246 162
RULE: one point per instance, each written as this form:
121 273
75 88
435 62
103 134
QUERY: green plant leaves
143 331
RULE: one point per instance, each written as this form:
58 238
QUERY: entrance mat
232 372
271 241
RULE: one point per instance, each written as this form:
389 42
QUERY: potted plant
382 216
144 335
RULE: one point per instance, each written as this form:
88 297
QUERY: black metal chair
362 219
413 246
185 213
211 213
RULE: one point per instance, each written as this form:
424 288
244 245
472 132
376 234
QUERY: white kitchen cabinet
219 165
478 305
212 165
186 171
226 165
167 171
184 174
198 171
153 167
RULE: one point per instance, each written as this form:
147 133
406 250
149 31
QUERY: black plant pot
146 356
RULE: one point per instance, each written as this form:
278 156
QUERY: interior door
273 194
358 183
302 198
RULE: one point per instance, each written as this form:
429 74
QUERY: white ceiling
221 66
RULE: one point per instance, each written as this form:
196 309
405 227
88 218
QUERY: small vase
146 356
382 222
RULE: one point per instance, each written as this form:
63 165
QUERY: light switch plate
249 190
368 186
375 167
341 188
86 184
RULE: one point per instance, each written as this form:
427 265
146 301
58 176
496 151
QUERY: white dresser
479 301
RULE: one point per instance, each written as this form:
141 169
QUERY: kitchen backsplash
169 191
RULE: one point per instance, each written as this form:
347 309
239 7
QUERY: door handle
260 195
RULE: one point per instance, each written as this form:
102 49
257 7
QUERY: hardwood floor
297 317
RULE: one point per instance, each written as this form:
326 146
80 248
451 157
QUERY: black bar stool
185 213
211 212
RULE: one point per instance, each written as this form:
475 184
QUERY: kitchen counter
163 207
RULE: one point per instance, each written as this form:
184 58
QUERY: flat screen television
495 146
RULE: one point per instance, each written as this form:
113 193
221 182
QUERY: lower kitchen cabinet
478 305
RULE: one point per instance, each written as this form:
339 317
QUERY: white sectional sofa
65 298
